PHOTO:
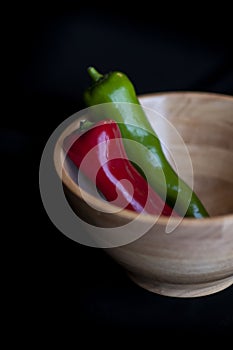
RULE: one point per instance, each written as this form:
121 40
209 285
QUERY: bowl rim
128 214
187 92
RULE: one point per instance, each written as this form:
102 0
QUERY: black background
46 51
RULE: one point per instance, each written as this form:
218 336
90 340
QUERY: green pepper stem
94 74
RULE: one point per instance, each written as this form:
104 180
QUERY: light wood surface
197 258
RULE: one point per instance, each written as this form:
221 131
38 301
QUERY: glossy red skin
110 158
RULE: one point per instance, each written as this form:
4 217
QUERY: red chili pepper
103 146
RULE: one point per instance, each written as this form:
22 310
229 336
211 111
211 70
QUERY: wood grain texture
197 257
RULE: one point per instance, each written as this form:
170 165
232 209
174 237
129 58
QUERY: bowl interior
205 122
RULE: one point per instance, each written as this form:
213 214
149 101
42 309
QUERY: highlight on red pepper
102 143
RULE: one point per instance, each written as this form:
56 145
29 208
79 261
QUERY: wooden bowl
196 259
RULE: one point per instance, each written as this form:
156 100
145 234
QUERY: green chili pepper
133 123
